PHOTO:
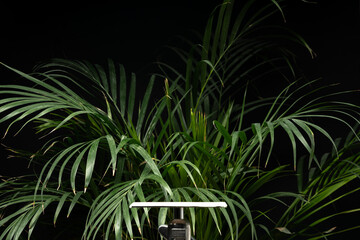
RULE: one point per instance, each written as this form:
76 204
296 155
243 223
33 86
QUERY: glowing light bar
178 205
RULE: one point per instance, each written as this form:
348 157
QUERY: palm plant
103 147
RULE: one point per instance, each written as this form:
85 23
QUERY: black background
134 33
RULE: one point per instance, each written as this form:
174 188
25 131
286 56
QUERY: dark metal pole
179 213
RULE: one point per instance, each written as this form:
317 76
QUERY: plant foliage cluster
207 138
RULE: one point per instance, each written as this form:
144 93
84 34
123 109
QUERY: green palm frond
18 194
221 65
322 191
